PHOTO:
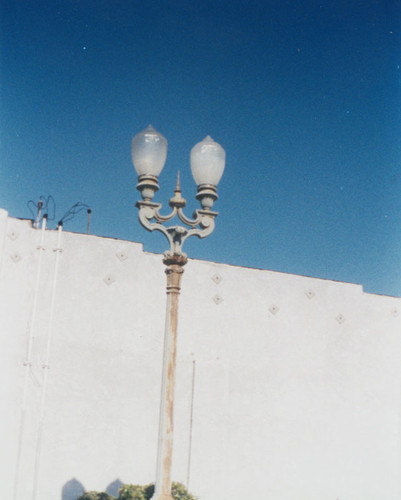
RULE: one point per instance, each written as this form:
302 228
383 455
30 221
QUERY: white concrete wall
297 381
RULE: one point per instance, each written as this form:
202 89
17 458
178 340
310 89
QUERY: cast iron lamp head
149 152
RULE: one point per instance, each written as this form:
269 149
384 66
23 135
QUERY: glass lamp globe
149 152
208 159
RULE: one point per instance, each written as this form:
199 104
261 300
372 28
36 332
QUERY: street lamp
149 151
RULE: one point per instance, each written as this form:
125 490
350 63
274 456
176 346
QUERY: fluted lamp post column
149 151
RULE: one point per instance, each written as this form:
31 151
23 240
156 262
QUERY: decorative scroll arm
201 225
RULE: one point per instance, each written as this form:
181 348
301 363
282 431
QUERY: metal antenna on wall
76 209
45 205
89 220
37 221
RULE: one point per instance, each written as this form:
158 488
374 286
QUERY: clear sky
303 95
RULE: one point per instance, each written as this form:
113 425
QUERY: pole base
162 496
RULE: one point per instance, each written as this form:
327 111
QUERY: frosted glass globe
149 152
208 159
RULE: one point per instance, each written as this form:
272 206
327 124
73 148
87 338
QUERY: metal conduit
3 247
28 359
191 421
45 366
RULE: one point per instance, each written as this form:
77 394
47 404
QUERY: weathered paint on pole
174 273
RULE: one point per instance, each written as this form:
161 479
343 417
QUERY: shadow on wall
112 488
74 488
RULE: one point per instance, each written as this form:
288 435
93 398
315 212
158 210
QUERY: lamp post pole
149 151
174 273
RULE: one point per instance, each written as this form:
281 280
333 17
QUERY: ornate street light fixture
149 151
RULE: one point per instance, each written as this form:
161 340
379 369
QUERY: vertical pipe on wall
28 359
46 366
191 423
3 245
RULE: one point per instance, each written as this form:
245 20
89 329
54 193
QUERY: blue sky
303 96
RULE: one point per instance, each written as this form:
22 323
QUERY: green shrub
179 492
95 495
133 492
136 492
